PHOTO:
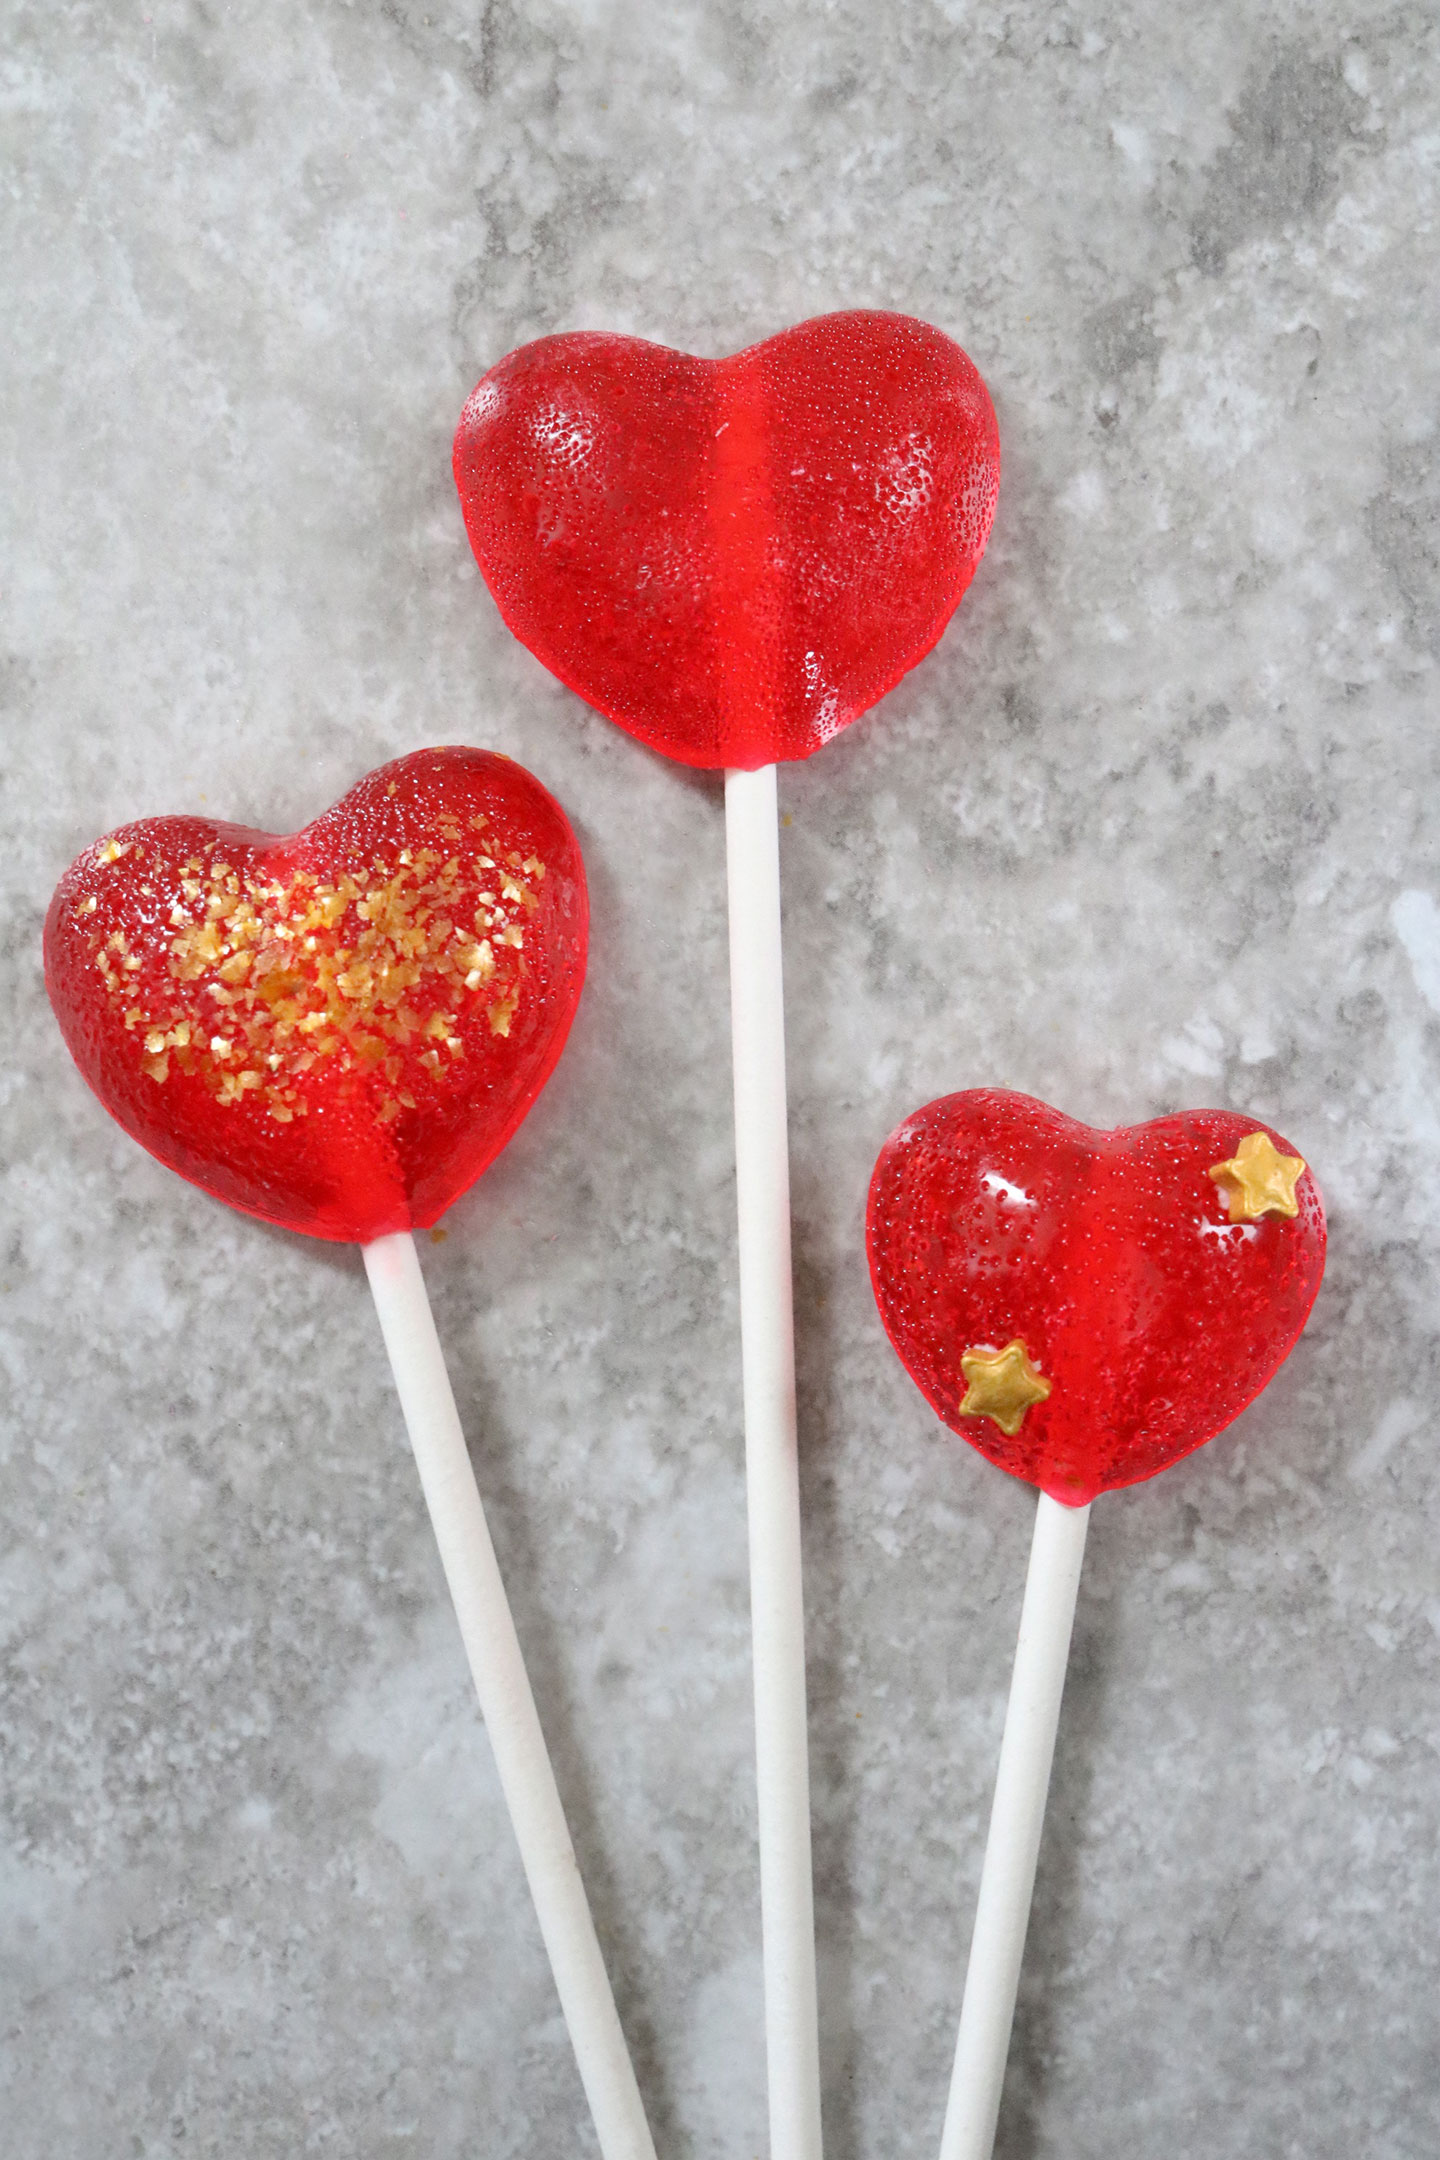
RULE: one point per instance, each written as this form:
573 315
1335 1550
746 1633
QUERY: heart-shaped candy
733 558
1087 1307
336 1030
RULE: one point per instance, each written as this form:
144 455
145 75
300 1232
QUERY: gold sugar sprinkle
297 972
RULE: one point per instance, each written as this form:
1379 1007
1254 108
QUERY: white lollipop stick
1007 1876
506 1703
762 1176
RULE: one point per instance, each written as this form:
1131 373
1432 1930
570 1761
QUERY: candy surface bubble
732 558
339 1029
1087 1307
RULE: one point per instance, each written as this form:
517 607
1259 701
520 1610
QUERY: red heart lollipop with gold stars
338 1030
1085 1308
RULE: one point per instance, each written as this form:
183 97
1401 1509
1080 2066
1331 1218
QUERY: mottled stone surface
1156 825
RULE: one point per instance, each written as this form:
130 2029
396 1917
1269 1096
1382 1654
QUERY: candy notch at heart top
336 1030
732 558
1087 1307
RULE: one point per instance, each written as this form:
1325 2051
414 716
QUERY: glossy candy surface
339 1029
733 558
1149 1315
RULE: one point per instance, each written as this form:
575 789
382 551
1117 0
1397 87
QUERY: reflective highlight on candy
339 1029
732 558
1109 1265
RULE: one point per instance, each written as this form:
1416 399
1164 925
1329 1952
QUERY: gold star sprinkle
1002 1385
1258 1180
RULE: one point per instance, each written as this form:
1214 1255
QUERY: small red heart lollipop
1087 1307
732 558
339 1029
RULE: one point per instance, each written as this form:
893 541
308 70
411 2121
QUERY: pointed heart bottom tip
337 1029
1087 1307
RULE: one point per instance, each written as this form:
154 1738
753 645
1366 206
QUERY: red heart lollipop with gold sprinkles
1085 1308
338 1030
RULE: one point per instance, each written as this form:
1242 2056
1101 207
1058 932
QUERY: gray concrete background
1154 826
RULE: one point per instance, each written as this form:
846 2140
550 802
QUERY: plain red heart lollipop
1087 1307
339 1029
733 558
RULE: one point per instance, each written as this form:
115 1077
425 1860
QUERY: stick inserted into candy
337 1031
1085 1308
734 559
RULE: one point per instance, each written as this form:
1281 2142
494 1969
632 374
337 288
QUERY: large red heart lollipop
336 1030
733 558
1087 1307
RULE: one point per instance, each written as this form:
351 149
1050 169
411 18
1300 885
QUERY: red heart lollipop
1087 1307
733 558
336 1030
